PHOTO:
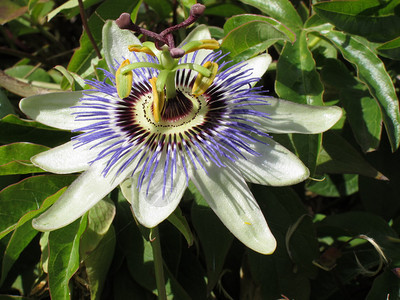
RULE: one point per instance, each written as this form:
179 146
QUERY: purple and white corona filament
184 116
193 131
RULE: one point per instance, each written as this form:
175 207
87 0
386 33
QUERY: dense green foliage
337 232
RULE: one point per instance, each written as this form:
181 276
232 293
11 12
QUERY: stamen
209 44
123 81
140 48
202 83
158 100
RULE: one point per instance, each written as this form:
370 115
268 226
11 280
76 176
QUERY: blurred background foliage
337 233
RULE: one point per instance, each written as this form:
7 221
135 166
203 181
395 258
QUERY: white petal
152 207
275 166
258 64
83 194
53 109
229 196
65 159
289 117
115 45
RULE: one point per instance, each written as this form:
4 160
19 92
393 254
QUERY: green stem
195 67
158 263
137 65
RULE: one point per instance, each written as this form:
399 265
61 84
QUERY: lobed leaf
362 111
372 72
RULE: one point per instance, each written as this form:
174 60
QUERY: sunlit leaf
98 263
335 185
281 10
109 9
15 158
253 37
376 20
362 111
64 257
236 21
372 72
297 79
71 8
22 201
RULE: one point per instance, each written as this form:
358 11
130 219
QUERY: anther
158 100
123 81
202 83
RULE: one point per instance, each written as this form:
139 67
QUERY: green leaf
188 3
9 10
179 221
139 254
375 20
251 38
20 238
162 7
5 105
372 72
339 157
385 284
15 158
214 237
335 185
70 8
100 218
281 10
362 111
29 72
224 10
64 257
75 81
81 61
98 263
297 79
14 129
307 147
236 21
24 200
290 266
390 49
355 223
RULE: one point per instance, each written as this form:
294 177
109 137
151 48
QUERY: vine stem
87 29
158 263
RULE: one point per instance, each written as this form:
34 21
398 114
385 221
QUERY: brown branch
87 30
